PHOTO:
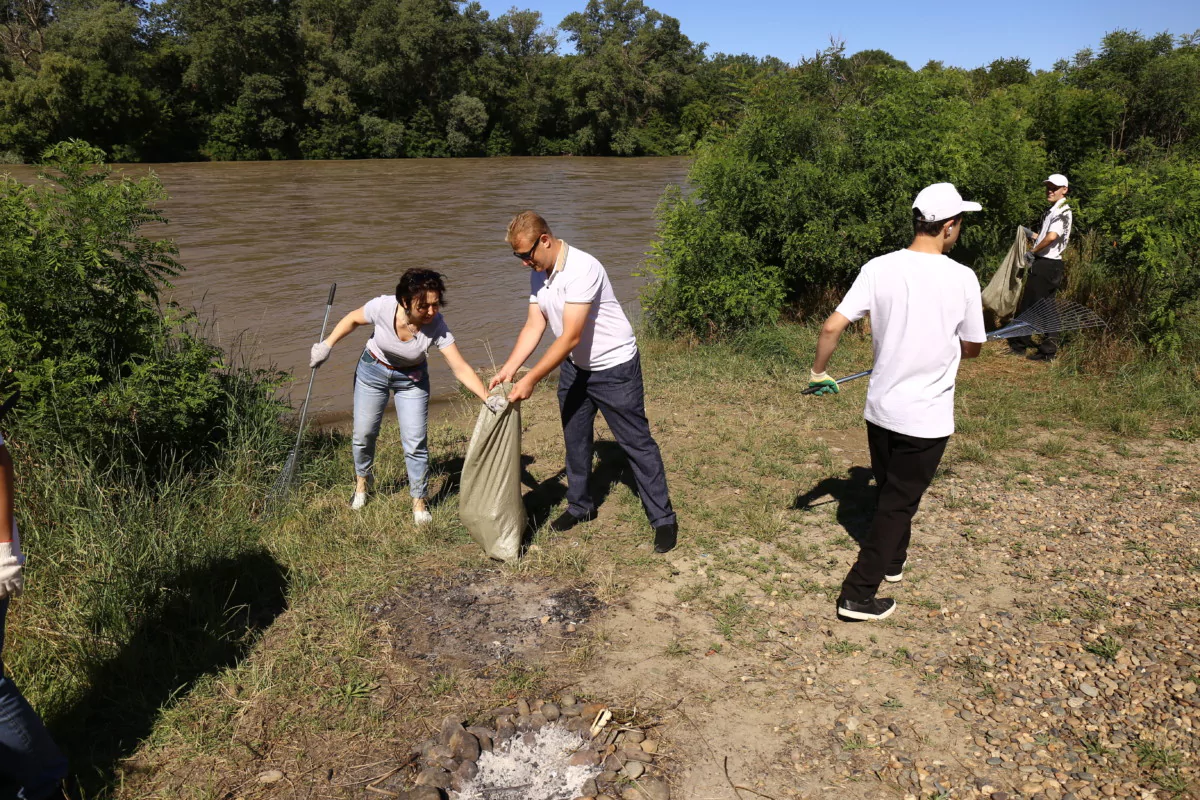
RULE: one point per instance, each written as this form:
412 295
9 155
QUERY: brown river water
261 242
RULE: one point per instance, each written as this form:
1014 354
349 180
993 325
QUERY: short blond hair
527 223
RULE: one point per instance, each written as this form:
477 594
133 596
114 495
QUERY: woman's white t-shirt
608 339
385 345
921 305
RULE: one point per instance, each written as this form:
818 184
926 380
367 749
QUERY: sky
966 35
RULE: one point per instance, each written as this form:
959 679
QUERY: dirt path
993 677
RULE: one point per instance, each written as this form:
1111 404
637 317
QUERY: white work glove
318 355
12 583
496 403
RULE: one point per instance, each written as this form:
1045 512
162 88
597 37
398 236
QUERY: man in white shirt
599 367
926 315
1046 272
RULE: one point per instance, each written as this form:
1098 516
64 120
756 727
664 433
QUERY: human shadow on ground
609 467
855 496
452 468
207 620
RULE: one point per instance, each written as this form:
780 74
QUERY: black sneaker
664 537
567 520
873 609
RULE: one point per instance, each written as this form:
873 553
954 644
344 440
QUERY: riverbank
1043 645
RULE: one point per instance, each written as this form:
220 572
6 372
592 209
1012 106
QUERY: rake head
1049 315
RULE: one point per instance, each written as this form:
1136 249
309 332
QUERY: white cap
942 201
1056 180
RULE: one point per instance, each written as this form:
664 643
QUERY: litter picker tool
1048 315
283 484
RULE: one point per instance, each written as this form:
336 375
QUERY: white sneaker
360 500
422 517
899 576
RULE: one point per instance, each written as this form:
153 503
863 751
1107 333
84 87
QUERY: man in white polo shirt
926 315
1046 273
599 369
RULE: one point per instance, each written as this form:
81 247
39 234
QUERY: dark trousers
1045 279
903 467
619 394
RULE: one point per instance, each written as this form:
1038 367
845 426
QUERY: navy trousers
618 393
1045 279
904 467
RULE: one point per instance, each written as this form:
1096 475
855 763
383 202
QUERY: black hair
416 283
930 228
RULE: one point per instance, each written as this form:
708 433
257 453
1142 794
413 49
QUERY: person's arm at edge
827 342
1049 239
574 318
462 370
347 324
6 495
527 342
970 349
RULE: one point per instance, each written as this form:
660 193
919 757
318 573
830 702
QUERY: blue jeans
373 385
31 765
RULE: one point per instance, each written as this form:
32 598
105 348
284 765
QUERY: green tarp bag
1003 292
489 501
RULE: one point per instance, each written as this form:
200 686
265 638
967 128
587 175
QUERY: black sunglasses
528 256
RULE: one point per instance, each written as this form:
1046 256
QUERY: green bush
103 369
1143 270
810 186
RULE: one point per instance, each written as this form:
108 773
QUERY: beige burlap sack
489 502
1003 292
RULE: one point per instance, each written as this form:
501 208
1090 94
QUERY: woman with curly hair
394 363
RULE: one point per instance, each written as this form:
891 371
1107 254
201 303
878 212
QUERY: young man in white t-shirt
599 367
1046 271
926 315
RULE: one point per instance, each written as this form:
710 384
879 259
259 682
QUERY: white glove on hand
496 403
318 355
12 583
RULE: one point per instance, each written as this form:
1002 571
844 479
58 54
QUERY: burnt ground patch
471 620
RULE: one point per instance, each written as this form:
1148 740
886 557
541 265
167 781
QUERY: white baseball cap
1057 180
942 201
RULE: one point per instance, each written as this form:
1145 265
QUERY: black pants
619 394
1045 279
903 467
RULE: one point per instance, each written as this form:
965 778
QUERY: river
262 242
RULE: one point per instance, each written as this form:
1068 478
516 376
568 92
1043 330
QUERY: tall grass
141 580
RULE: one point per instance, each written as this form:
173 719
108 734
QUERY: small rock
633 737
550 712
422 793
650 746
637 754
434 776
464 746
586 757
467 770
591 710
523 708
450 726
567 699
484 736
1089 690
270 776
571 710
633 770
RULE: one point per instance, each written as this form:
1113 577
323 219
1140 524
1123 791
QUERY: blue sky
958 34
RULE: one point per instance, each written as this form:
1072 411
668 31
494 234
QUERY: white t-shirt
1057 220
385 345
921 305
608 339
